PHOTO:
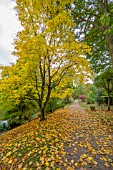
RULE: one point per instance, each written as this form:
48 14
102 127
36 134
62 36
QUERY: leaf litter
67 140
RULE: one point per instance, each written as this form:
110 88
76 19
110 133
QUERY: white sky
9 26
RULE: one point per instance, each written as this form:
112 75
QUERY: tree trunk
109 102
109 37
42 114
110 46
108 96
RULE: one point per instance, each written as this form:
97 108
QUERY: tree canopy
48 54
94 21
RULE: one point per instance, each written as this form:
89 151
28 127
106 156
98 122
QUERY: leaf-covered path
90 145
75 106
69 139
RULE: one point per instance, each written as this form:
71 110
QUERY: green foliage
68 99
95 23
91 94
79 90
105 78
90 99
54 103
17 115
74 95
1 115
100 93
15 120
88 91
105 81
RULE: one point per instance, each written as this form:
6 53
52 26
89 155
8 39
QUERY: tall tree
94 19
48 54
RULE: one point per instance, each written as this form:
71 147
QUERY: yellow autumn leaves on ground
68 140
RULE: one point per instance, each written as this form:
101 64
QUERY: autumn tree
48 53
94 21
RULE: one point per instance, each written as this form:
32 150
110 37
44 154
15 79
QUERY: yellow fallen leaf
65 164
63 153
47 163
6 160
90 158
8 154
30 163
84 155
69 168
76 164
75 149
10 161
106 164
83 163
93 162
103 158
72 161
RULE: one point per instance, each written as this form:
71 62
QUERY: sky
9 26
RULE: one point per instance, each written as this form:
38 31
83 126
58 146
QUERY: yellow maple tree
49 56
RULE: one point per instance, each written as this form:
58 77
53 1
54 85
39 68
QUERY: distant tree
80 90
91 91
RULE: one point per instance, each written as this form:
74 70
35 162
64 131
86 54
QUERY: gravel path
76 106
91 144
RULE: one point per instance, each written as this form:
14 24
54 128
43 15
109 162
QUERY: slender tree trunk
108 96
42 110
108 101
43 106
109 37
42 114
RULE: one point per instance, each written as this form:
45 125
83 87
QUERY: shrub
82 97
74 95
18 114
15 120
90 100
68 99
54 103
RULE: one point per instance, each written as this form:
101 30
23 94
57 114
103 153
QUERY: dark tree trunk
43 106
109 37
42 114
108 96
110 46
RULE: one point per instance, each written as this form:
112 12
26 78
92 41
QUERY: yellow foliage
49 57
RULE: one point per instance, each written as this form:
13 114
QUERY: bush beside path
70 139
